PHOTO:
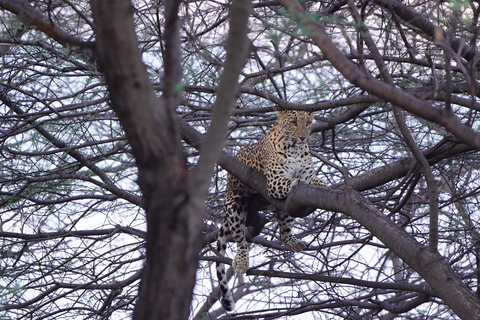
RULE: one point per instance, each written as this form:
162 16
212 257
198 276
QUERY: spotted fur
282 155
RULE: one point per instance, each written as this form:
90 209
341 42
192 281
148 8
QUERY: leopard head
295 125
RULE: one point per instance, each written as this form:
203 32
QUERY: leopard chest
293 161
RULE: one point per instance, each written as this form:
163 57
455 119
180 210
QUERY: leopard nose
303 138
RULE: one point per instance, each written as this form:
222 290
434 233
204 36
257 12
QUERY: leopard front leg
280 187
286 222
236 210
307 174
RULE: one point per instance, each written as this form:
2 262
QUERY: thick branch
430 265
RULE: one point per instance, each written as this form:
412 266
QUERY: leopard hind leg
237 211
286 223
233 224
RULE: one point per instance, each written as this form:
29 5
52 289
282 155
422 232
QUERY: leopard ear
281 113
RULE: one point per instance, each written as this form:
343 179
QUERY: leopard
283 156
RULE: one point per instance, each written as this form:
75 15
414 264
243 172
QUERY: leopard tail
226 298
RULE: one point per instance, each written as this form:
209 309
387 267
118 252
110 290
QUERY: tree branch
34 17
107 183
237 49
422 288
365 81
401 123
417 20
430 265
304 198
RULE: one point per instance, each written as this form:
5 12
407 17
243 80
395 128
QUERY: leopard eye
294 122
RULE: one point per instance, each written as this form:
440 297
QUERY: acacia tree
114 113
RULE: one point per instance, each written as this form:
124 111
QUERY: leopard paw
295 245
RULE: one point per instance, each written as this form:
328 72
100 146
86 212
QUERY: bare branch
380 89
237 49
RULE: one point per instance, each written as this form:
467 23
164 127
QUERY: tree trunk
173 196
174 219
